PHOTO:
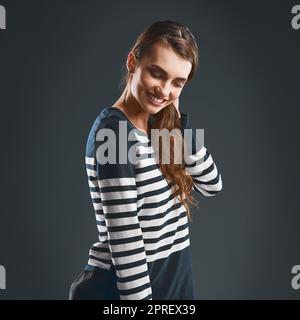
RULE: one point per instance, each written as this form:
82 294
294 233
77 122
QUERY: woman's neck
133 110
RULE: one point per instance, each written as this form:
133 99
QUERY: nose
163 91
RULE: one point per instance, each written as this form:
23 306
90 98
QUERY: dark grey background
60 64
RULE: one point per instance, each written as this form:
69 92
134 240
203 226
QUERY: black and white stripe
138 219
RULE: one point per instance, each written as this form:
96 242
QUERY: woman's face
163 74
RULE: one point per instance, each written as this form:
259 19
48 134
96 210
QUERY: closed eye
157 75
154 74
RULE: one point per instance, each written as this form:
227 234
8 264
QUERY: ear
131 62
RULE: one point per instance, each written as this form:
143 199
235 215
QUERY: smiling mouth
154 99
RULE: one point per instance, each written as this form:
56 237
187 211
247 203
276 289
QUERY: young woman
141 208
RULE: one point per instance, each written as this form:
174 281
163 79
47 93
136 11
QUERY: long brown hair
180 38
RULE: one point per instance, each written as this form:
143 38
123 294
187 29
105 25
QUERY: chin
153 110
156 110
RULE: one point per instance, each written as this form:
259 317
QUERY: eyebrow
165 72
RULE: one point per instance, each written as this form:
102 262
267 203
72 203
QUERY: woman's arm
118 192
200 165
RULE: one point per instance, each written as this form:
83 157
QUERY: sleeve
199 163
118 191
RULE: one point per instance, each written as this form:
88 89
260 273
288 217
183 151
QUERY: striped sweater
143 230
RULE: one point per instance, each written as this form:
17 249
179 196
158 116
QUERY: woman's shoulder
110 117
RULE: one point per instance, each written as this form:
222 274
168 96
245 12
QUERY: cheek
137 84
140 85
146 81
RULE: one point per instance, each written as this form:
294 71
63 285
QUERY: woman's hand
176 105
